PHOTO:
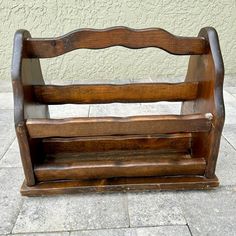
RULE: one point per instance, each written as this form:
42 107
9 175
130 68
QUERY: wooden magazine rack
114 153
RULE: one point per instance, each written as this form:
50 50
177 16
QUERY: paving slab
7 135
69 110
10 199
226 164
231 90
229 132
5 143
43 234
115 109
134 109
154 209
145 231
6 116
12 156
106 232
5 85
7 130
72 212
230 108
6 100
160 108
211 213
164 231
229 81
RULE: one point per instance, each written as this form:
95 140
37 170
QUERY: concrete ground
120 214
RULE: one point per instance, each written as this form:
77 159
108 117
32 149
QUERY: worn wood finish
208 69
25 73
75 127
165 142
121 185
118 164
117 36
114 153
27 162
87 94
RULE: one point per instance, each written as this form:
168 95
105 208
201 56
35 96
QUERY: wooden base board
121 185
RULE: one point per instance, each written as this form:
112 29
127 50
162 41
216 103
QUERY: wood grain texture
129 153
166 142
209 71
118 164
77 127
90 94
121 185
117 36
25 151
25 73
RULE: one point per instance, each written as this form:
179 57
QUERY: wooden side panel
209 71
77 127
117 36
152 92
25 73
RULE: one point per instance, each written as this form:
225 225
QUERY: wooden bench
119 153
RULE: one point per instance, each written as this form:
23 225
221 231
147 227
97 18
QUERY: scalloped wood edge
115 36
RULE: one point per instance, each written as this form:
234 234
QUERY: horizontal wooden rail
167 142
124 164
163 124
91 94
117 36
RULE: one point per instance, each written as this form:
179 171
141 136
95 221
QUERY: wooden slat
77 127
174 142
140 92
117 36
119 164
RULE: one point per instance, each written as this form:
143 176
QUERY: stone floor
137 214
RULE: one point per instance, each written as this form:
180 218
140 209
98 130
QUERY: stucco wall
48 18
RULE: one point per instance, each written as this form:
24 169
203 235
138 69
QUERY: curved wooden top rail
116 36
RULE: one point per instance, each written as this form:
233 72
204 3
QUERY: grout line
4 153
127 208
189 229
99 229
17 215
226 139
89 110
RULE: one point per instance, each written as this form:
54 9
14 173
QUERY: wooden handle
116 36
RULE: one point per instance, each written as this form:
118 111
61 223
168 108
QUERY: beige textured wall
48 18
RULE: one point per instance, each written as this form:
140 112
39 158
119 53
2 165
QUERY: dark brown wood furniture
113 153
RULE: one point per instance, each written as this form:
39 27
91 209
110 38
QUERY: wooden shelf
132 163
